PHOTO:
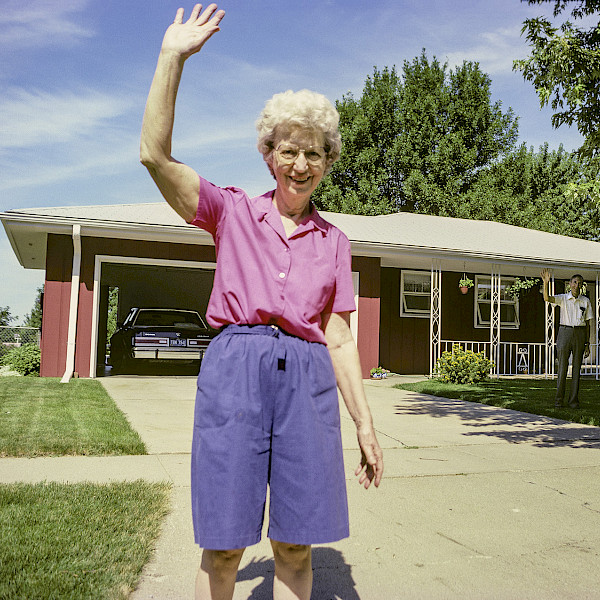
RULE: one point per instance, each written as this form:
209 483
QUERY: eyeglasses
288 153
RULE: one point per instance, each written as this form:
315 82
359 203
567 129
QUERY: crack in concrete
450 539
584 504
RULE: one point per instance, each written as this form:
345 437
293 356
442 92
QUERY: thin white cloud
103 152
80 160
39 23
495 52
37 118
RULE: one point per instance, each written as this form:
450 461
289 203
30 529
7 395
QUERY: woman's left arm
346 365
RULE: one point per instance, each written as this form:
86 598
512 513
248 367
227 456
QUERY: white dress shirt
573 311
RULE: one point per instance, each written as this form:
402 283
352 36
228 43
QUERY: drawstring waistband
269 330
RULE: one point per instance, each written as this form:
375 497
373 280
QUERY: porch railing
522 358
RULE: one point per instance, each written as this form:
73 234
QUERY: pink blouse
264 277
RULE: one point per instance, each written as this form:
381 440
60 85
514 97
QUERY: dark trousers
570 340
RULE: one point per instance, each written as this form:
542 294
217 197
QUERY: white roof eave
30 228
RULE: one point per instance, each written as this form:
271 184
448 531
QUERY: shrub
462 366
24 359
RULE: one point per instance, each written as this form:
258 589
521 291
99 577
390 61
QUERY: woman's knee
222 560
292 555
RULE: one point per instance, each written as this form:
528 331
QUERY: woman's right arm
177 182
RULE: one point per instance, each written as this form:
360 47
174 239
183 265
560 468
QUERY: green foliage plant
25 359
519 285
466 282
463 366
564 67
379 373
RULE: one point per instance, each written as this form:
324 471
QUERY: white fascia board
13 242
108 229
390 251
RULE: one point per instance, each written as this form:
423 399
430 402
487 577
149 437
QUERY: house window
415 293
509 307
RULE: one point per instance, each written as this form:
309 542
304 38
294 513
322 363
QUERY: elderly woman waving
282 296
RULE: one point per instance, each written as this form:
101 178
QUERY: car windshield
167 318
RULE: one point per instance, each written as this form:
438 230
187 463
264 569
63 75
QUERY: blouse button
281 275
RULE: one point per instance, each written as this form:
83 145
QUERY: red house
406 272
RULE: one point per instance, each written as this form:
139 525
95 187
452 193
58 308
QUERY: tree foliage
24 359
34 317
113 307
564 67
5 317
547 190
416 142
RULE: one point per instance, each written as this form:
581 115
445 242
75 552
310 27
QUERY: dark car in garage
159 335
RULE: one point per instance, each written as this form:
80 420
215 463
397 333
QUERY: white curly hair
306 109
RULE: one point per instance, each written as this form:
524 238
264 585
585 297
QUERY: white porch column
597 318
495 318
549 337
435 316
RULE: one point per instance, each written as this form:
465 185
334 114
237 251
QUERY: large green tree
416 142
564 67
550 190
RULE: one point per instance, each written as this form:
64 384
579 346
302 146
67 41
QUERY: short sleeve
588 311
213 204
342 297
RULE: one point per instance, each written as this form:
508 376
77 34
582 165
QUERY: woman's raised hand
188 38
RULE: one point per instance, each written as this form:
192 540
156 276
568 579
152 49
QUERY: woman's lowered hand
370 468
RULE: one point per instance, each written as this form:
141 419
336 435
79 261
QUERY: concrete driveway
477 502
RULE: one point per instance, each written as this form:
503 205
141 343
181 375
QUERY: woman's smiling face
296 165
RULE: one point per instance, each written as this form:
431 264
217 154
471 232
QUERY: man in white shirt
573 335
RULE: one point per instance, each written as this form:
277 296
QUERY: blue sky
74 77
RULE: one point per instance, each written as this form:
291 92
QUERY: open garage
146 283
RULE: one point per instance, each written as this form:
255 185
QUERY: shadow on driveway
503 423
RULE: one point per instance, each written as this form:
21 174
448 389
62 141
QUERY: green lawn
43 417
77 541
535 396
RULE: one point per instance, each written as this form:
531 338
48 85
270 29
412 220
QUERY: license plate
178 343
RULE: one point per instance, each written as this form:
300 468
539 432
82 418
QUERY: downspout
74 302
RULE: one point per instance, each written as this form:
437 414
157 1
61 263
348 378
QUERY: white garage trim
73 305
354 315
129 260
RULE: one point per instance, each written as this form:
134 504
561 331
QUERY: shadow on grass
514 411
332 576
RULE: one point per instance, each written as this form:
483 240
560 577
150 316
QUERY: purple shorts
267 414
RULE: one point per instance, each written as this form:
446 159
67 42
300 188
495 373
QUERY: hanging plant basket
464 284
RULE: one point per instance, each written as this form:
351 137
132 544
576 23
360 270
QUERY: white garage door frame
127 260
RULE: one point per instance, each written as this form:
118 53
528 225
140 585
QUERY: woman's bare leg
217 573
293 571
